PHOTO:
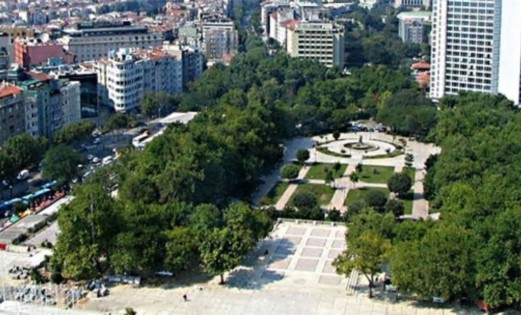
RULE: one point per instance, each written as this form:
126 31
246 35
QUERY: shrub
395 206
56 278
304 200
289 171
375 199
399 183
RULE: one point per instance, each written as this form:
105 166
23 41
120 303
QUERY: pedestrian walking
185 297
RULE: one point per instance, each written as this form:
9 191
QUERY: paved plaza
296 277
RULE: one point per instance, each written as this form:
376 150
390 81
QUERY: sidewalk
291 189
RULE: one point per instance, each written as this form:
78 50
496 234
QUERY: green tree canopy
61 163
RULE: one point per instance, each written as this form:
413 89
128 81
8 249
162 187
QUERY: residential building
476 46
220 39
411 26
31 52
70 92
7 45
412 3
192 58
321 41
94 41
127 74
267 8
12 112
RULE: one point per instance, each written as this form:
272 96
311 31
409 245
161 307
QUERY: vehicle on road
96 160
24 174
90 157
107 160
96 141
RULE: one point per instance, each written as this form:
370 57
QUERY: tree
302 155
7 167
61 163
394 206
399 183
289 171
181 249
366 254
158 104
304 200
329 177
438 265
87 233
354 177
375 199
222 250
359 167
74 132
23 150
336 135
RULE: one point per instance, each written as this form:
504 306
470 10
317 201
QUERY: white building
127 74
321 41
476 46
90 42
411 25
412 3
70 102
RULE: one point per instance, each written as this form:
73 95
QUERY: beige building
12 112
321 41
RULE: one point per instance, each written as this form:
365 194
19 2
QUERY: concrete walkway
420 207
281 203
342 185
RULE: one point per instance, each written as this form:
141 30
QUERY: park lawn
323 193
318 171
359 194
411 172
407 202
276 192
376 174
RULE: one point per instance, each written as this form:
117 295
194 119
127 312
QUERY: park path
291 188
343 184
420 207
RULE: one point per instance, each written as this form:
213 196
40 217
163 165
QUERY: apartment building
31 52
220 39
411 26
94 41
12 112
192 59
127 74
476 46
315 40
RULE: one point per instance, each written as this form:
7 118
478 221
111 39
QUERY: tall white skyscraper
476 46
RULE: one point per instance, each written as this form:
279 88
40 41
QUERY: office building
476 46
94 41
320 41
12 112
127 74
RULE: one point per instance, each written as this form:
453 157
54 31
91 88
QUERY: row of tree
474 252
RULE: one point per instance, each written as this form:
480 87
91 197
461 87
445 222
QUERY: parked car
23 175
96 160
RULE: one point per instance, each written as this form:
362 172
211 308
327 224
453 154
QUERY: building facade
192 59
412 3
127 74
320 41
476 46
220 39
411 26
90 42
12 112
31 52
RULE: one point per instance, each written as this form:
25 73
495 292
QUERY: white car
95 160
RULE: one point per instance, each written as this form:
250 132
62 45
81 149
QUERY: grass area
326 151
395 153
376 174
318 171
359 194
275 193
407 202
410 171
323 193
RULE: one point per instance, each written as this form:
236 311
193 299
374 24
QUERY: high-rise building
412 3
476 46
127 74
320 41
90 42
